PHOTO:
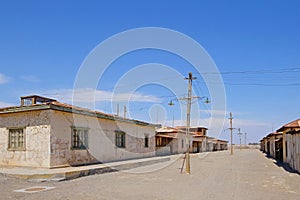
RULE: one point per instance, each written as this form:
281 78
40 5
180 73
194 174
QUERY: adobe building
43 132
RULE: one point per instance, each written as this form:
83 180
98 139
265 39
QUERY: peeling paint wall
48 139
36 126
101 140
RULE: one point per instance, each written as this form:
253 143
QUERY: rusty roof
293 124
168 130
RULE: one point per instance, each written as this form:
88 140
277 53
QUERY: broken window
79 138
16 139
120 139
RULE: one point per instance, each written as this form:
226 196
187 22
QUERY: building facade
43 132
284 144
175 141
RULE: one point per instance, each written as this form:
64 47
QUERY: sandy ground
248 174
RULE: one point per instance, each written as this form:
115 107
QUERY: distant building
272 145
173 140
43 132
170 141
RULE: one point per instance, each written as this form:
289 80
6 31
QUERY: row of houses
43 132
284 144
176 140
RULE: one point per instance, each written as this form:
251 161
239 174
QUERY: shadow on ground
281 164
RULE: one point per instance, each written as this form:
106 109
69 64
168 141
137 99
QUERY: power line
263 71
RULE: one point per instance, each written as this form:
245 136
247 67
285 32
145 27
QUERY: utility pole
240 136
245 139
230 120
188 122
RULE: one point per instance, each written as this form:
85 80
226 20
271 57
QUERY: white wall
180 149
101 138
37 138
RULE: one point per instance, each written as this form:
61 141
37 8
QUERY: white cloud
3 79
91 95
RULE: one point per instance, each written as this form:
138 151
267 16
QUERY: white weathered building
170 141
43 132
173 140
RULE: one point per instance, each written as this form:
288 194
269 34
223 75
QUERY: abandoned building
284 144
43 132
173 140
272 145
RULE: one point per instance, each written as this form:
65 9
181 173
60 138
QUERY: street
248 174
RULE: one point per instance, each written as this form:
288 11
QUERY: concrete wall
163 151
101 139
37 139
181 137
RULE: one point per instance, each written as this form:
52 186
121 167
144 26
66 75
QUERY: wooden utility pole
230 120
188 122
245 139
240 137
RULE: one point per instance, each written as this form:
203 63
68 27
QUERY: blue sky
254 44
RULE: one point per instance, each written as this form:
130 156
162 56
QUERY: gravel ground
248 174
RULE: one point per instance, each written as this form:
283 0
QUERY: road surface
247 175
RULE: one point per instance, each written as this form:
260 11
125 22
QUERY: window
16 139
146 141
79 138
120 139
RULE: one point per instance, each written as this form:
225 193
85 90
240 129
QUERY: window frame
9 144
82 137
120 139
